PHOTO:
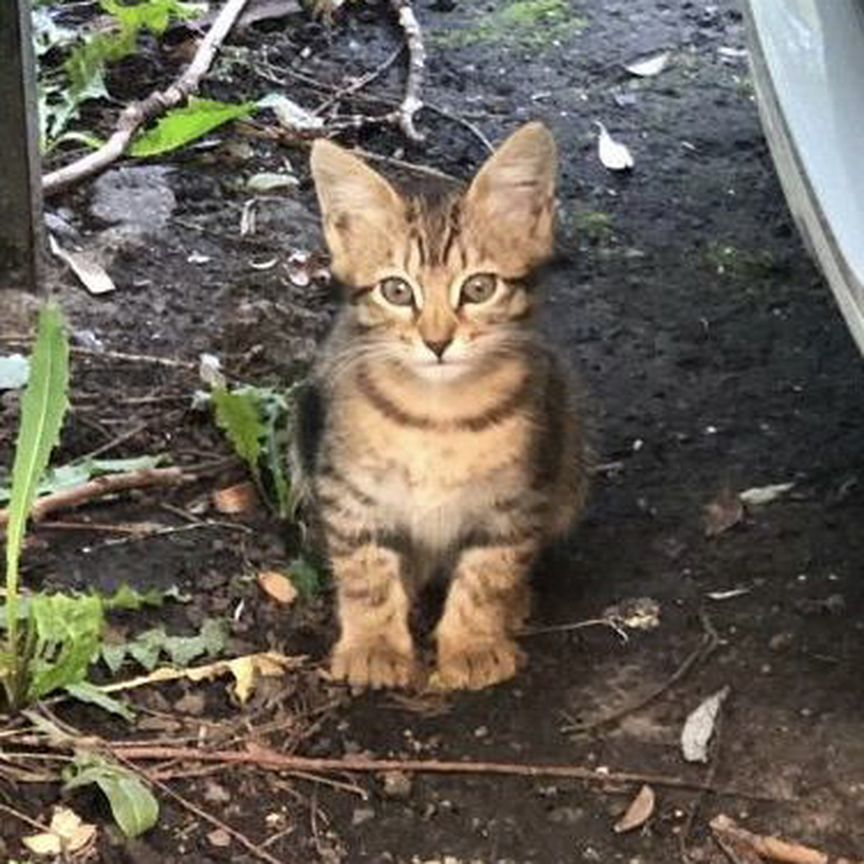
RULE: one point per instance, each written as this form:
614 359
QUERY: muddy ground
715 360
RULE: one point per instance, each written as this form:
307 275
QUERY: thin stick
577 625
770 848
114 442
157 103
412 101
360 83
241 838
168 362
23 817
101 486
265 758
706 647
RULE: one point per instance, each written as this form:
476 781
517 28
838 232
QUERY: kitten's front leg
375 648
488 601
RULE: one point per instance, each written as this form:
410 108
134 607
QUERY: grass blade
43 408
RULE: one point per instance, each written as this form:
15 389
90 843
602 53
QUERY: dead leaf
723 513
67 834
648 66
699 727
237 499
759 495
278 586
638 813
614 155
245 670
89 271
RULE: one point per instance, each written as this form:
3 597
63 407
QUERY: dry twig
707 645
741 842
412 101
262 757
100 486
135 115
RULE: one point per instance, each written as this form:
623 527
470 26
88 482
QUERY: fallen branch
411 102
136 114
742 843
262 757
101 486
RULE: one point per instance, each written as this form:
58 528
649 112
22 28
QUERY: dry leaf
245 671
765 494
278 586
638 813
89 271
237 499
614 155
724 512
68 834
699 727
649 66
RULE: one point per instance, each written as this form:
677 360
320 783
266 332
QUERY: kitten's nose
437 346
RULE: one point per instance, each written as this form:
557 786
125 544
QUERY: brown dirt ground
715 359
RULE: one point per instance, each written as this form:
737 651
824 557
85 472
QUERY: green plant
42 410
255 419
64 88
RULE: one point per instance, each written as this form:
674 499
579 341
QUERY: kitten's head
436 282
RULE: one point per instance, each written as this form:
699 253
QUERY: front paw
374 664
475 664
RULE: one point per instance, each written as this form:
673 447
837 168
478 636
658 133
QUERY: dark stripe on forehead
497 413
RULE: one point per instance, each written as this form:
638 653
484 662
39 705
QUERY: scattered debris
397 784
278 586
638 813
759 495
89 271
723 513
614 155
290 115
635 613
67 835
270 181
649 66
699 727
219 838
728 595
742 846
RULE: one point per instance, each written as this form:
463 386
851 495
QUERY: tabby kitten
439 434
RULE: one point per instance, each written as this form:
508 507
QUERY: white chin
434 371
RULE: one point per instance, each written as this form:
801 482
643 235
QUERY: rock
397 784
362 815
137 199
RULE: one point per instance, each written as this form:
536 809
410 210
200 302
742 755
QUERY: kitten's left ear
510 205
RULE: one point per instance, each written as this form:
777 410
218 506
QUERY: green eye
478 288
397 291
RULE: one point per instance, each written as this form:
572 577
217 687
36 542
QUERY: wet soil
714 359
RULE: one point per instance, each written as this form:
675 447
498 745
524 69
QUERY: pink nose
437 346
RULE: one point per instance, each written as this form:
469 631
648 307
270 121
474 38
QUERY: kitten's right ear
362 213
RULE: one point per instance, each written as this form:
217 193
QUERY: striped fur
438 432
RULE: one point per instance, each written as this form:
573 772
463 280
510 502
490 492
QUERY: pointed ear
510 205
362 213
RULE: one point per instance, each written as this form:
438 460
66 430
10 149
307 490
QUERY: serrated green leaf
113 655
305 577
128 599
66 633
238 415
84 691
133 805
148 648
189 123
43 408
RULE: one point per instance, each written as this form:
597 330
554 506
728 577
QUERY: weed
526 23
